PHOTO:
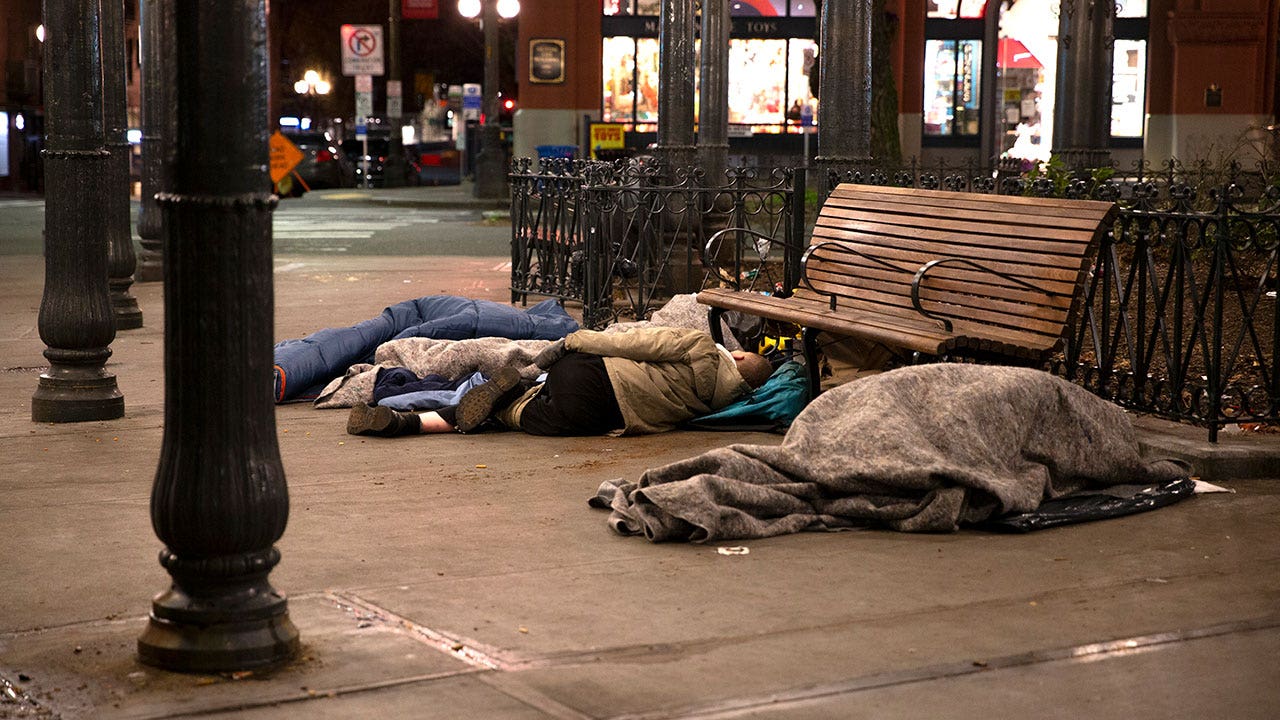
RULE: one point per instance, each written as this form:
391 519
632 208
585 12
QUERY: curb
1236 455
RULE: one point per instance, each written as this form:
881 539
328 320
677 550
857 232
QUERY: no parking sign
361 50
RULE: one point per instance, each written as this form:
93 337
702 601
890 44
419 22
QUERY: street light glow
508 9
40 33
311 76
322 87
301 87
468 8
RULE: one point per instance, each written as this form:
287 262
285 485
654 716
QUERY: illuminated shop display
1024 72
952 73
771 54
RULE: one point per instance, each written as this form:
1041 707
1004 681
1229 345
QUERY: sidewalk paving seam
1087 652
465 650
304 696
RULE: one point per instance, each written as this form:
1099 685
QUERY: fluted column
844 86
1082 108
75 319
219 502
713 90
158 47
121 261
675 83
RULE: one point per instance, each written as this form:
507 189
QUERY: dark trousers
576 399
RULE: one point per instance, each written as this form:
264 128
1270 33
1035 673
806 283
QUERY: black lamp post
219 502
491 161
76 321
121 259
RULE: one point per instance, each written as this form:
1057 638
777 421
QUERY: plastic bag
1099 504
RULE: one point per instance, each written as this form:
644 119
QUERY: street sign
285 156
472 101
364 97
361 50
395 104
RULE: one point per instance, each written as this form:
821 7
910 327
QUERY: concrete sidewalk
465 576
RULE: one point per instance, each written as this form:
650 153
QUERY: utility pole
491 161
393 172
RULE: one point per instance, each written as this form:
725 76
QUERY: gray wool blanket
917 449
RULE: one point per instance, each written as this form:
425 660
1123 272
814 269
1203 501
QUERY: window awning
1013 54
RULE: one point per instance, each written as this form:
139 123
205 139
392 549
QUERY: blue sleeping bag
303 367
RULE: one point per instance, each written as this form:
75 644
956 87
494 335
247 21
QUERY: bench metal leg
713 317
809 339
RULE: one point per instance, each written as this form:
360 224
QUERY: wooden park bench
933 274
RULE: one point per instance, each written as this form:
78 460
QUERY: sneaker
480 402
382 421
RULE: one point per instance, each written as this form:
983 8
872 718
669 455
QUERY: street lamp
491 171
310 86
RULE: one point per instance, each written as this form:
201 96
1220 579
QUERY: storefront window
757 82
802 8
758 8
743 8
619 80
952 75
953 9
1026 62
802 55
1131 8
632 7
647 80
1128 85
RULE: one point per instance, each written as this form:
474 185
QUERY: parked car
435 163
323 165
379 147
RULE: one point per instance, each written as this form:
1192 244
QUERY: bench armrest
924 270
841 248
762 245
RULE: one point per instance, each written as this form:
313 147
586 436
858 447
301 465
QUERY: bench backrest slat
1048 243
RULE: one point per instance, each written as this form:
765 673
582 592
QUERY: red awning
1014 54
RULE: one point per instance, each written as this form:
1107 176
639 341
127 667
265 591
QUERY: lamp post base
76 394
242 627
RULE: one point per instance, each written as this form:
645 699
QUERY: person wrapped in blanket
636 381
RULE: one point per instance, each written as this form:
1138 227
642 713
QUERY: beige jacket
662 376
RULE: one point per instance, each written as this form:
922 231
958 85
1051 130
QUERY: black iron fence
621 238
1180 310
1179 318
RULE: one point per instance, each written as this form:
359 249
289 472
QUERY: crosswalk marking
345 223
7 204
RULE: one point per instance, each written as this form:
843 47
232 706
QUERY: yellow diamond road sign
285 156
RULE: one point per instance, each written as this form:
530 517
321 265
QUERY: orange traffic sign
285 156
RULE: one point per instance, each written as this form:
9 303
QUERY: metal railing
621 238
1179 318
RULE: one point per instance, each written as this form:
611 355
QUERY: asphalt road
328 223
